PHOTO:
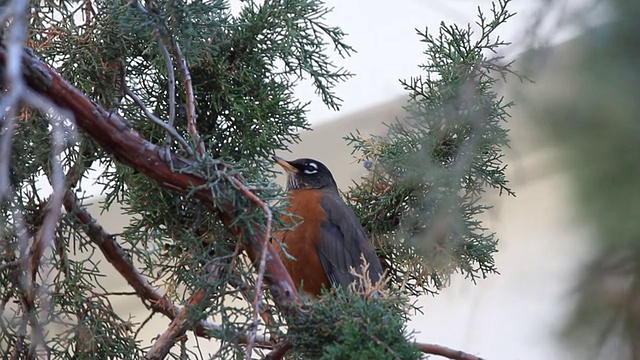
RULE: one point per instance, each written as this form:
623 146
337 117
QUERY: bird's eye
311 168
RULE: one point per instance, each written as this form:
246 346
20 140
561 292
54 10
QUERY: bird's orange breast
301 242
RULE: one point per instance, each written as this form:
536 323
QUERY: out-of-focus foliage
423 195
596 126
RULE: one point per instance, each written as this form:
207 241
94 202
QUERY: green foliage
422 197
420 202
595 127
243 68
346 325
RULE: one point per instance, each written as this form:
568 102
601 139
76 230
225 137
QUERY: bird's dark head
306 174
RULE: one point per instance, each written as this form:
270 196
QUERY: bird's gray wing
343 240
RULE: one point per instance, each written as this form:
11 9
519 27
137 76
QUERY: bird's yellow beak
285 165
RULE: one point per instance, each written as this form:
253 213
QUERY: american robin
330 239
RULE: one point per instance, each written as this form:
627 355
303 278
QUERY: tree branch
257 301
178 327
446 352
116 256
279 351
115 135
57 179
189 94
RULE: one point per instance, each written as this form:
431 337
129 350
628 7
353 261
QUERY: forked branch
116 136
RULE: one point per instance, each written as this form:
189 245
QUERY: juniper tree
178 106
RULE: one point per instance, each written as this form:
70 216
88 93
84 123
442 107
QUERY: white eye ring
310 171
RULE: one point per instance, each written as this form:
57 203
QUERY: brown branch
198 301
446 352
115 254
114 134
89 11
257 301
279 351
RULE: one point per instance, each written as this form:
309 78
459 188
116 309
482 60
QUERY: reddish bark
116 135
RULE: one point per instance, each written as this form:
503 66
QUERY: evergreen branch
46 233
151 298
191 102
172 87
115 135
185 74
185 318
8 265
385 346
167 127
57 179
446 352
19 345
279 351
257 300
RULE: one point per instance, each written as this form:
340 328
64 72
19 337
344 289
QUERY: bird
329 239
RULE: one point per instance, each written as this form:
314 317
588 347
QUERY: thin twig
257 301
151 298
198 301
188 85
189 95
89 11
172 86
145 322
386 346
117 293
6 140
446 352
62 256
238 284
169 129
23 282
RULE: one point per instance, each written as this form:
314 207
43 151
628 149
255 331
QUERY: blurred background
568 243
